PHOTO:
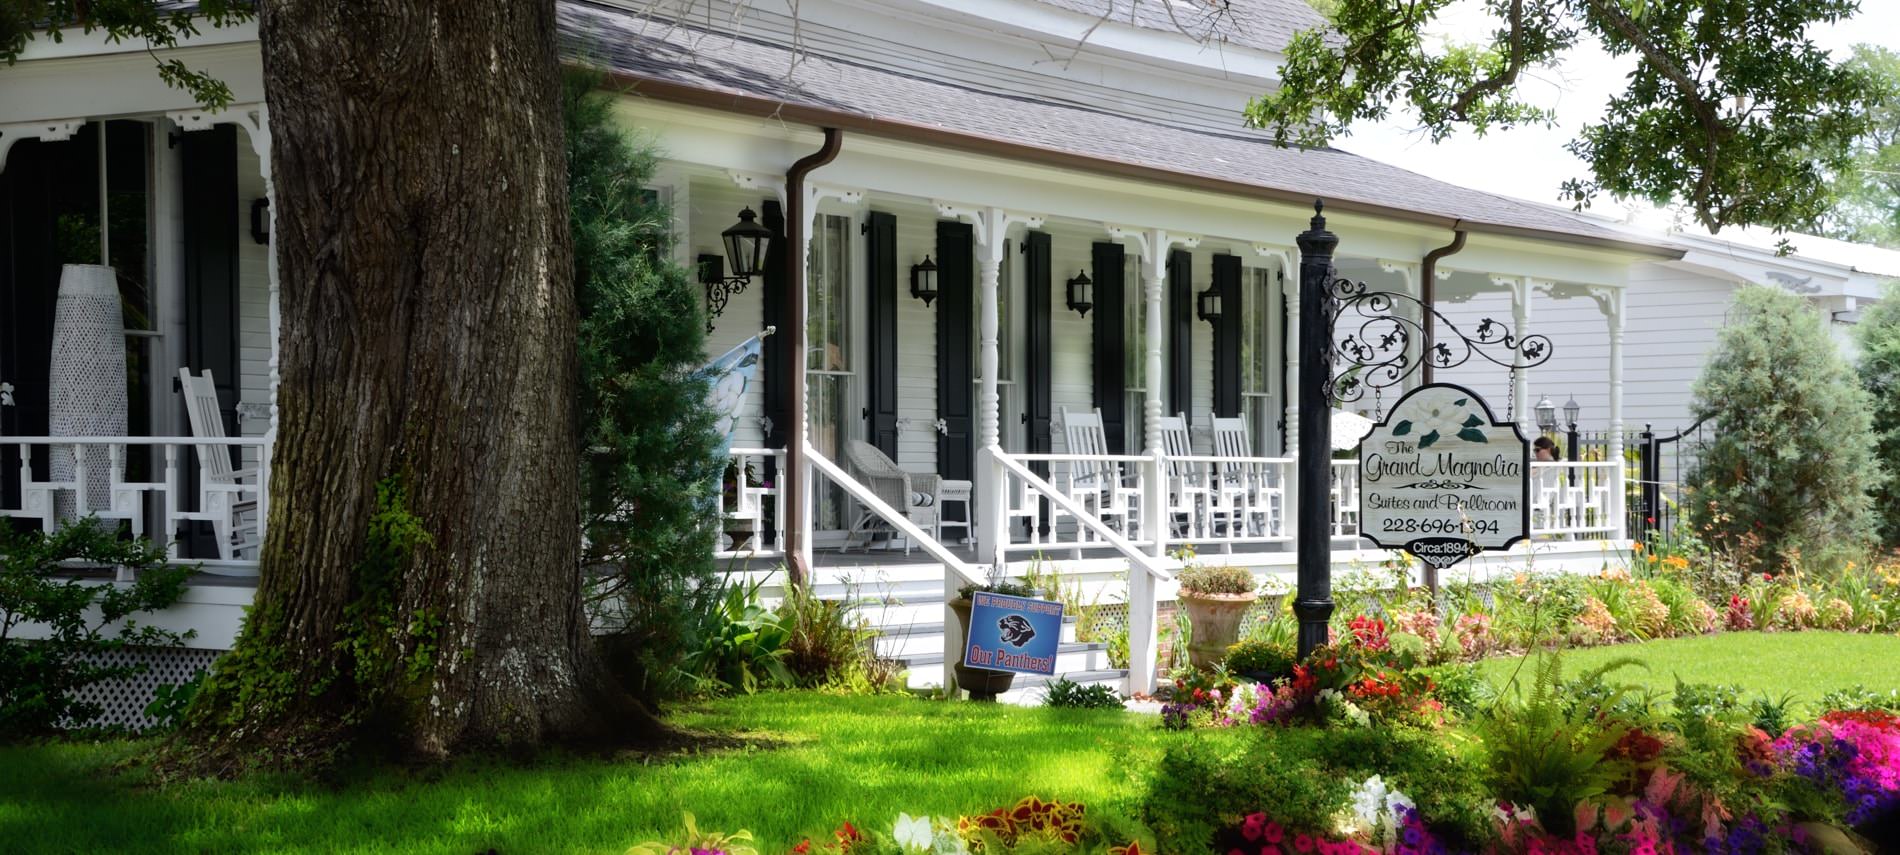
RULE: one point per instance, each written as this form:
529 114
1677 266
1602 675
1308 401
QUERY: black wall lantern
1208 305
1081 293
923 280
746 244
260 221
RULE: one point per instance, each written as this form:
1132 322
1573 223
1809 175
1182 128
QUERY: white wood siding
253 266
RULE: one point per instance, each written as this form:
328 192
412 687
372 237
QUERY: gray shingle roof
639 48
1262 24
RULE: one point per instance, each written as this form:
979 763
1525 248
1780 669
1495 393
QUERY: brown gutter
1428 290
826 117
795 468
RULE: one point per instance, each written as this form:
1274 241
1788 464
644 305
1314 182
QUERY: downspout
795 465
1428 288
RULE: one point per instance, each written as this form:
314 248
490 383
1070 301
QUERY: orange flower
1133 848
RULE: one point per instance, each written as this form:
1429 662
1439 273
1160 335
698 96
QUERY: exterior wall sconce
1081 293
746 244
1208 305
923 280
260 221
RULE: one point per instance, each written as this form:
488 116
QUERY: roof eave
681 93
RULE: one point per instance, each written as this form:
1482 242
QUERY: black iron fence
1656 465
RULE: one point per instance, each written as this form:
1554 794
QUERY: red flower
803 848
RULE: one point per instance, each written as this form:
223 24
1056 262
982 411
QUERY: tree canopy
157 25
1867 205
1731 109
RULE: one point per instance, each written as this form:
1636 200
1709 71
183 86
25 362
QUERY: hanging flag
730 376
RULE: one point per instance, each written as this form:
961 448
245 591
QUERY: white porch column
990 230
1613 307
1520 327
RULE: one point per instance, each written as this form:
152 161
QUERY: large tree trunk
428 341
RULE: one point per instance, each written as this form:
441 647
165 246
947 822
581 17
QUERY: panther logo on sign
1016 630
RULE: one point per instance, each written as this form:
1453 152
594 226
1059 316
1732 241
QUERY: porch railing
1345 500
753 515
1228 499
1107 487
1574 499
235 506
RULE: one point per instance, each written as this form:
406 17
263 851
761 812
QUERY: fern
1545 751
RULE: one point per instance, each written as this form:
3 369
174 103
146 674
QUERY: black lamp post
1571 410
923 280
1208 305
1313 602
1081 293
746 244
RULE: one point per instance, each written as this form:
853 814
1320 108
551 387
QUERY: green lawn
1806 664
835 758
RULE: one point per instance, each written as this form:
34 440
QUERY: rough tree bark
428 340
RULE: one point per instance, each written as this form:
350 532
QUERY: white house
1020 147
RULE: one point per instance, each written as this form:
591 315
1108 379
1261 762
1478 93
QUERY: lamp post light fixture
746 245
923 280
1546 414
1081 293
1207 305
1571 410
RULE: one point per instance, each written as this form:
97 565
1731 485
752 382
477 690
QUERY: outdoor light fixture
923 280
1546 414
1208 305
1571 409
260 221
1081 293
746 243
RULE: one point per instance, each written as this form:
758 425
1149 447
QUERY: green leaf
1427 440
1461 402
1473 420
1472 435
1402 428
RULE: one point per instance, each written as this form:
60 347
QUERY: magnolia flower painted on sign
1439 420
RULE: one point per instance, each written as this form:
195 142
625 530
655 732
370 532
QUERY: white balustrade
1345 499
750 512
151 508
1574 499
1214 499
1106 486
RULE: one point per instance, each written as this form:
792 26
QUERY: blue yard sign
1013 634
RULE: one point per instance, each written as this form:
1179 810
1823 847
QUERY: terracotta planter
1216 621
982 683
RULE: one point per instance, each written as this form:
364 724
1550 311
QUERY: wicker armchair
918 496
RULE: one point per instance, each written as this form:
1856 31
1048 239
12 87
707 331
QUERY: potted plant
1215 599
982 683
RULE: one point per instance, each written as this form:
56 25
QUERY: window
1259 330
829 387
1135 332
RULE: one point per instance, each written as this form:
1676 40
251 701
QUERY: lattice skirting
125 699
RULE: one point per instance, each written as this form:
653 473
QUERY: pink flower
1303 842
1273 833
1252 826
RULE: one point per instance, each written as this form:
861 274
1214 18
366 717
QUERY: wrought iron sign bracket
1385 341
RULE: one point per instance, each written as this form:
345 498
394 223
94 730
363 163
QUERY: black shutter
1181 334
1111 344
1227 337
1039 295
777 348
881 312
209 233
956 396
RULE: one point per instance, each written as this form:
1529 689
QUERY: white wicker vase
86 388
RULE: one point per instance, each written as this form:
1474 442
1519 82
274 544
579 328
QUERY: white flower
1368 803
913 833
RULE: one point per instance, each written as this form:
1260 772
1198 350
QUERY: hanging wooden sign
1443 480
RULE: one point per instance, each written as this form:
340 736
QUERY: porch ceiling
673 61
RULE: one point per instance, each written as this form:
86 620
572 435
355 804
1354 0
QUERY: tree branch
1513 64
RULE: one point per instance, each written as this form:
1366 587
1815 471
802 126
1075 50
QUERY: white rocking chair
1187 484
1097 485
920 497
1251 498
227 495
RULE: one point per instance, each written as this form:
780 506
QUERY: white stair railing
956 571
1149 567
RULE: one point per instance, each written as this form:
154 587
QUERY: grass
1805 664
821 759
